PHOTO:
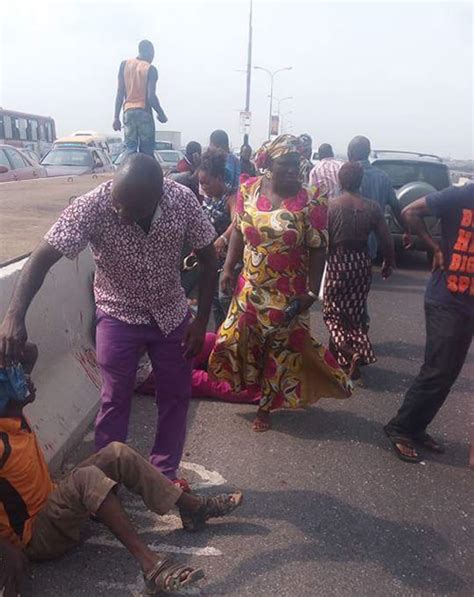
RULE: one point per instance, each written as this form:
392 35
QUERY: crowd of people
258 236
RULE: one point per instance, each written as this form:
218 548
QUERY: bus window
22 128
32 129
15 129
48 133
8 127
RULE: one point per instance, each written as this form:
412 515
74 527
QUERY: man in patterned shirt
136 226
326 171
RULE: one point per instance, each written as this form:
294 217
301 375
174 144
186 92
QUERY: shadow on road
317 424
337 532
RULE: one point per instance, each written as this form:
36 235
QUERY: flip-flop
403 441
429 443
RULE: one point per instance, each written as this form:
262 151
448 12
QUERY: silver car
68 160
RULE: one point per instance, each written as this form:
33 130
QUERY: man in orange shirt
136 93
41 521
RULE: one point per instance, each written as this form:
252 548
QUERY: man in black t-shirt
449 312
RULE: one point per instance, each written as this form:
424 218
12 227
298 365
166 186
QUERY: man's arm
152 97
13 333
13 564
207 262
413 216
117 125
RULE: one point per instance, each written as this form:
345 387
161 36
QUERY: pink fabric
202 386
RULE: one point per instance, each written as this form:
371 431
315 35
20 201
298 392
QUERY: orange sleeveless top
135 76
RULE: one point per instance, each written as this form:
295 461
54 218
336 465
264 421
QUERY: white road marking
104 541
209 478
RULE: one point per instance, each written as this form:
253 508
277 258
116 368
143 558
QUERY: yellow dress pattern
255 348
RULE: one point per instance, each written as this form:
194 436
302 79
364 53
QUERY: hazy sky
400 73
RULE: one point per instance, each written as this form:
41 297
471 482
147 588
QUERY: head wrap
272 150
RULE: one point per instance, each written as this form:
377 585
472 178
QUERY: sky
400 73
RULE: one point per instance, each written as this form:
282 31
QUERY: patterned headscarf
272 150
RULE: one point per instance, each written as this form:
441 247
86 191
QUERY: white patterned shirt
138 274
325 175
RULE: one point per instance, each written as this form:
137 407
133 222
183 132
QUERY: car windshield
67 157
401 173
169 156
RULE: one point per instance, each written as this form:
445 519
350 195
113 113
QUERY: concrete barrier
59 322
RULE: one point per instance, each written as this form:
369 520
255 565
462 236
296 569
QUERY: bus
33 132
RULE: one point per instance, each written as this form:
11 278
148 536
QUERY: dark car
67 160
15 165
413 175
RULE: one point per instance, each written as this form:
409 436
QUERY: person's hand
387 270
117 125
306 302
13 565
162 117
438 260
13 337
407 241
227 282
220 246
194 340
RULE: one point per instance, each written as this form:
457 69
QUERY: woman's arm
234 256
385 239
317 260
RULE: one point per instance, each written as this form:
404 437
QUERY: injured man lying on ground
41 520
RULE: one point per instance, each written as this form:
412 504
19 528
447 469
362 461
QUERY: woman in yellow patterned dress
281 231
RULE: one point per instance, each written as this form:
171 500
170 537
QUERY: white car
167 158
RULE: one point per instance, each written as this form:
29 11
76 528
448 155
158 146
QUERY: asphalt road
30 207
328 508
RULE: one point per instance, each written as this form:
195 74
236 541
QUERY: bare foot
262 422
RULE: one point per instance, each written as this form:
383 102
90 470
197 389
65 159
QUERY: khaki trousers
57 527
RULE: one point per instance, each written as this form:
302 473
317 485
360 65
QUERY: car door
108 166
98 163
6 176
22 169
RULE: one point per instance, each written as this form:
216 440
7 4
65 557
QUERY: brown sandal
166 577
211 507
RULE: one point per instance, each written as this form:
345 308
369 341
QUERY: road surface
29 207
328 508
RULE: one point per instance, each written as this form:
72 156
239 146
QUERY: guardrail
60 322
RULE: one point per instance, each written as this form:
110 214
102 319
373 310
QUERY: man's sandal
406 442
211 507
166 576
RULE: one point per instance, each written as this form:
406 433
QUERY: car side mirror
4 169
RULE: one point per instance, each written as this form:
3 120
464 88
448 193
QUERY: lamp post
249 71
279 101
271 74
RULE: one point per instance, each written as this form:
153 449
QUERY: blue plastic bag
13 386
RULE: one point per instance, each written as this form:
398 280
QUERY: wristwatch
312 295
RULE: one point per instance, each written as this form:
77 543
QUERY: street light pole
271 74
249 71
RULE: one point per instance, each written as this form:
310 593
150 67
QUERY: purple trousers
119 346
